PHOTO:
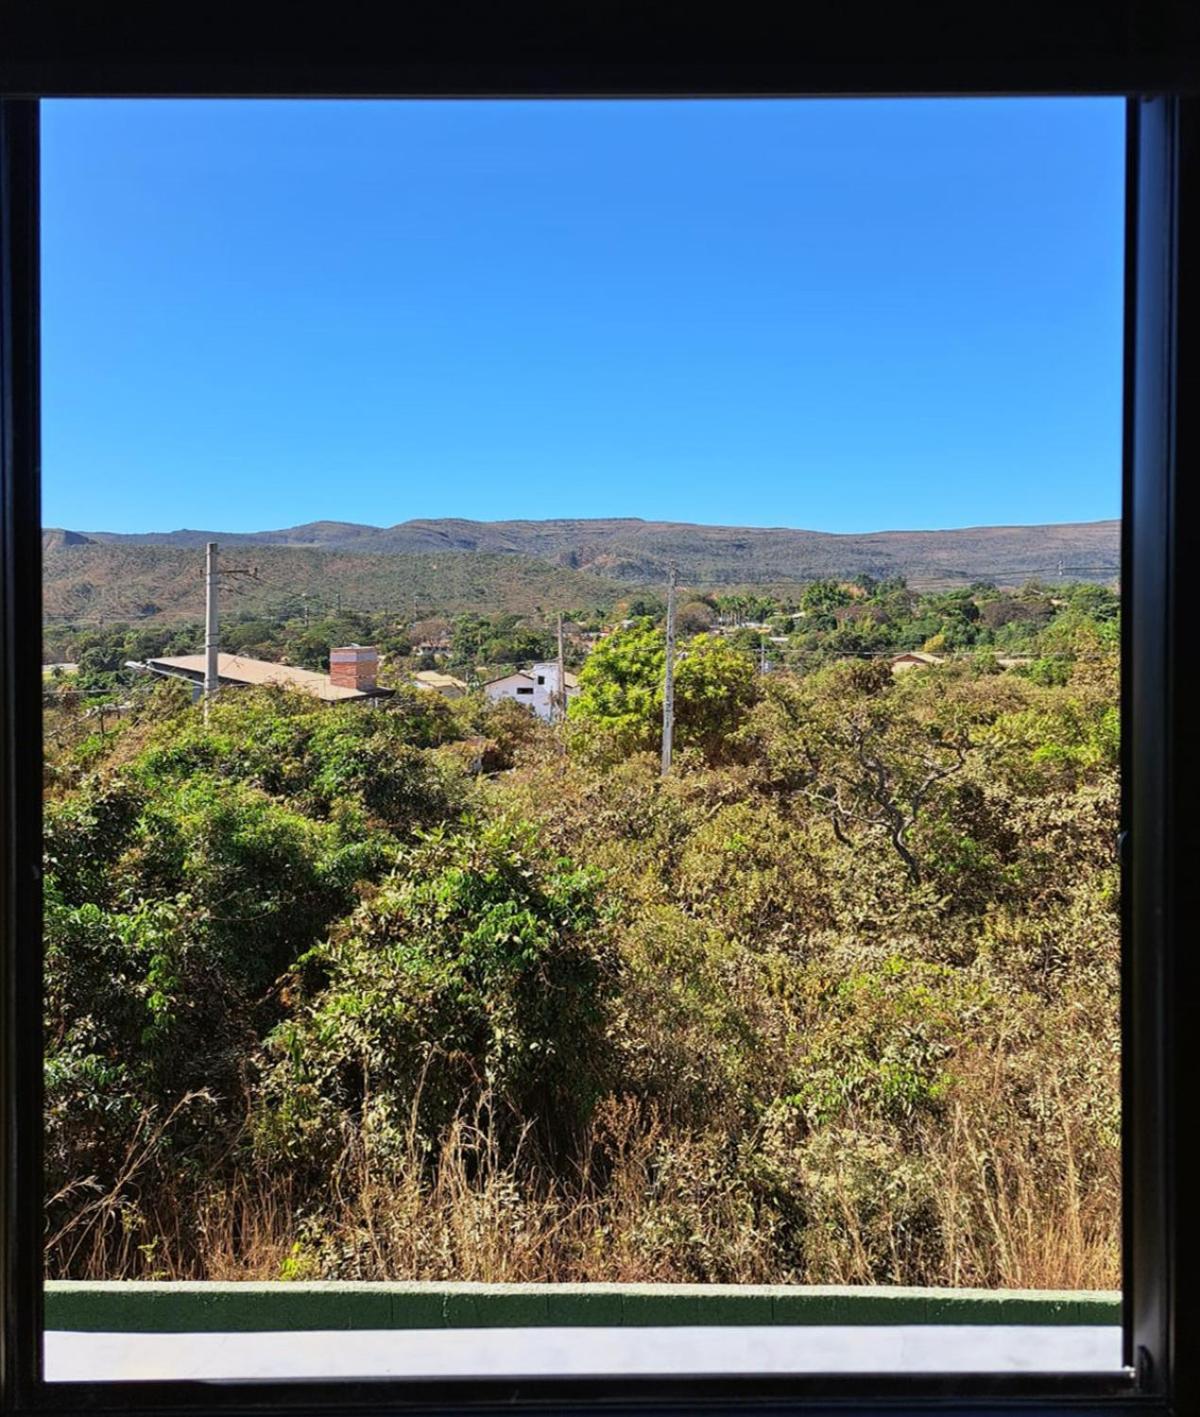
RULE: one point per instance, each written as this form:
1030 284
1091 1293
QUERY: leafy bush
475 973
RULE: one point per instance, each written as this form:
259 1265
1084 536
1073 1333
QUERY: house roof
431 679
239 670
571 680
504 678
917 656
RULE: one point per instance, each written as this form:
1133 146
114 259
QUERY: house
536 687
445 684
352 673
914 659
431 636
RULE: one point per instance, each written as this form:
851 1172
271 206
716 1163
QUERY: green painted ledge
199 1307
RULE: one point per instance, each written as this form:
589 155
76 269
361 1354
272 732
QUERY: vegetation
435 990
797 627
132 583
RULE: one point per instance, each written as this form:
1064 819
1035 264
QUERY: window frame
51 56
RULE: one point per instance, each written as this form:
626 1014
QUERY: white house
536 687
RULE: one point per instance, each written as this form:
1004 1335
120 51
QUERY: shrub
476 971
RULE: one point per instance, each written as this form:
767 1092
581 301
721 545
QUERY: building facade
535 687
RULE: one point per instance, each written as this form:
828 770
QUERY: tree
693 618
1009 610
620 688
866 750
731 608
497 640
714 686
621 691
824 596
646 607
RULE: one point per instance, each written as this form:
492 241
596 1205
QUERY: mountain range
448 567
635 551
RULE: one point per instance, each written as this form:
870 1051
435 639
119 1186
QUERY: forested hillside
434 990
154 584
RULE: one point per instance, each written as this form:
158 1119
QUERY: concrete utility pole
212 619
562 681
669 676
212 628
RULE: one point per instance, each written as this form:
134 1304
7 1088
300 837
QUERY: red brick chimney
354 667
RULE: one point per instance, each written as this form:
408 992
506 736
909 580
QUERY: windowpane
649 818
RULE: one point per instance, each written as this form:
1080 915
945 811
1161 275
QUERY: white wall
541 701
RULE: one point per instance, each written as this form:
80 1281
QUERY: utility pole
669 676
562 682
212 629
212 622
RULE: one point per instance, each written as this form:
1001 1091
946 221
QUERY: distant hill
638 552
447 567
56 537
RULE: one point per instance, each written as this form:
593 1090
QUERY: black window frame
1145 50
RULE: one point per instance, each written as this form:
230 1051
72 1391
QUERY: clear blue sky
833 315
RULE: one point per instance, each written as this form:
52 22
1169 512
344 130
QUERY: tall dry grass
645 1206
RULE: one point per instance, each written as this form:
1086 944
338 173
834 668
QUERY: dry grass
1005 1226
644 1208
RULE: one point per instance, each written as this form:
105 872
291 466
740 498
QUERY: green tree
621 691
824 596
714 686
